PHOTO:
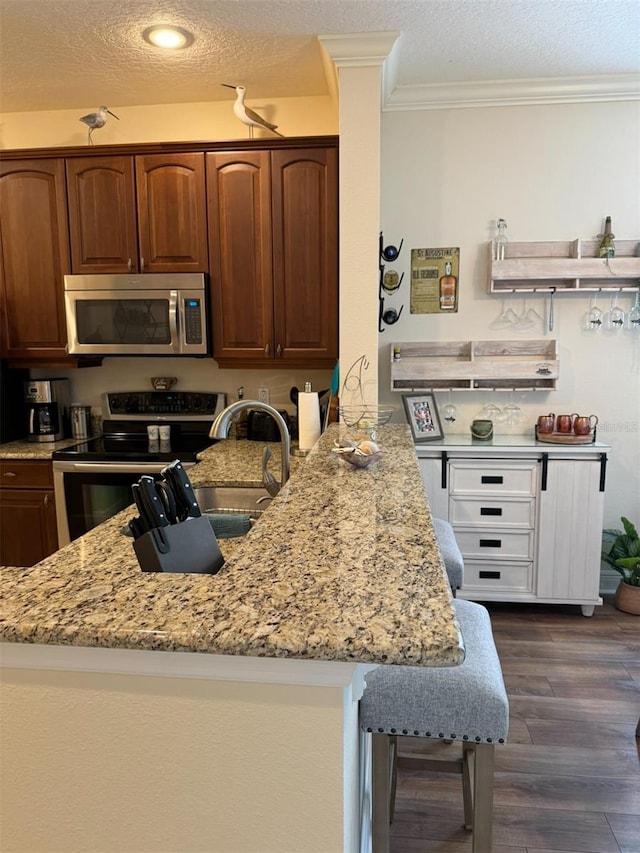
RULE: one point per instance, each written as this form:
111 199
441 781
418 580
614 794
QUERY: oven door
88 493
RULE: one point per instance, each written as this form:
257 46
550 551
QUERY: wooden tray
565 438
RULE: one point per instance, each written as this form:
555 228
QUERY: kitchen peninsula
219 713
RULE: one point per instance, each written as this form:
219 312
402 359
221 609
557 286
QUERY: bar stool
451 554
466 703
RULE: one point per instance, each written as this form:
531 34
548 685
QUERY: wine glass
449 411
511 411
508 317
595 316
492 412
633 317
614 319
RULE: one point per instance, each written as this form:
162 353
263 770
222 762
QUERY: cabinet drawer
497 479
492 512
497 576
19 474
506 544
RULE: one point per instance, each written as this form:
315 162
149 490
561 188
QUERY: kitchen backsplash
193 374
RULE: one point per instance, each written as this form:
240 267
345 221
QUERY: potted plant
623 555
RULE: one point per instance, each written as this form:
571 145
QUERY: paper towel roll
308 419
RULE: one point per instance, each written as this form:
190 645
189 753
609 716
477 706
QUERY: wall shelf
564 266
475 365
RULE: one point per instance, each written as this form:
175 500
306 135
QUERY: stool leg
468 753
393 757
482 798
380 777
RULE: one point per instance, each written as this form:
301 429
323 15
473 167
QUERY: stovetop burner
125 439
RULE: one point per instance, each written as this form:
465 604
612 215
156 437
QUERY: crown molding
509 93
357 50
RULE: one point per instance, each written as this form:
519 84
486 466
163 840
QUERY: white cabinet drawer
499 478
506 544
492 512
494 577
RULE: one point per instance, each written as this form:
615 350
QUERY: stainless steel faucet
220 429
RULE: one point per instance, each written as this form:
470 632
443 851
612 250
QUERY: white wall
554 173
315 116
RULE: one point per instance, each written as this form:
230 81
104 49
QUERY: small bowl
365 416
352 454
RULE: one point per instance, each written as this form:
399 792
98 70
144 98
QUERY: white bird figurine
246 115
97 120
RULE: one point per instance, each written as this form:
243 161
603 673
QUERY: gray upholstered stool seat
451 554
467 703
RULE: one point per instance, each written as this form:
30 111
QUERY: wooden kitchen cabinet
27 512
143 214
528 519
34 259
273 243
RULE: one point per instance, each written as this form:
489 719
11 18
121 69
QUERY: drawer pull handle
9 474
491 543
489 576
490 510
491 479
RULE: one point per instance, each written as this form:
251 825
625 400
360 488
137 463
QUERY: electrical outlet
263 395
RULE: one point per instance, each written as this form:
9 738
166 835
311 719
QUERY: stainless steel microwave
151 314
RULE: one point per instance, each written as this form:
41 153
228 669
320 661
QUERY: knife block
190 546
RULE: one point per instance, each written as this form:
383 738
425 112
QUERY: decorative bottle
447 289
607 246
500 242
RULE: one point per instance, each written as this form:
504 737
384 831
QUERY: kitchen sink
251 500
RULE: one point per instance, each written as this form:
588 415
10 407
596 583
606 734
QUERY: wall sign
434 280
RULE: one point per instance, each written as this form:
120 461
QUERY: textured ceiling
66 54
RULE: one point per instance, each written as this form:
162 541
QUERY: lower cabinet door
570 531
27 526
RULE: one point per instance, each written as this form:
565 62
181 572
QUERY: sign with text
434 280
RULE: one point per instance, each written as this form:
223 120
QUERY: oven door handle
110 467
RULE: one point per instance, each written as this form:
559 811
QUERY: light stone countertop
343 566
23 449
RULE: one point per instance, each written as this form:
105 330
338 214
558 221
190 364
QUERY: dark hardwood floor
569 777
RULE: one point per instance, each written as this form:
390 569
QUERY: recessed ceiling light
169 37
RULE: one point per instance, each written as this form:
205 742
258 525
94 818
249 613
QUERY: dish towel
229 525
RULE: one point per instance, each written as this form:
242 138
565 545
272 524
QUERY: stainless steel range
92 479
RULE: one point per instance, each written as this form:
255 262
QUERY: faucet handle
268 480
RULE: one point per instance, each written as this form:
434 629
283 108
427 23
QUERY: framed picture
423 417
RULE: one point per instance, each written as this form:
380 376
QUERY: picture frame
423 417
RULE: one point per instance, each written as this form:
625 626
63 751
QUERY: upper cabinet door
239 196
305 253
172 212
35 258
102 215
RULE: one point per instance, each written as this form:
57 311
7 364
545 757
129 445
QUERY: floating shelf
571 266
475 365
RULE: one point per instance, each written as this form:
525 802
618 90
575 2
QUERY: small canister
80 421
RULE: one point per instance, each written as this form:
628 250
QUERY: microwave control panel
193 321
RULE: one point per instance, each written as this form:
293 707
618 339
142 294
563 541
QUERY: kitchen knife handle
152 502
180 483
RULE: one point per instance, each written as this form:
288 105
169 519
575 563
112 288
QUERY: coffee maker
47 409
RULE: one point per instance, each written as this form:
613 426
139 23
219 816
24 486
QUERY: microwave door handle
173 320
32 413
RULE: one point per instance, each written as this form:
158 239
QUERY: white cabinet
527 517
570 524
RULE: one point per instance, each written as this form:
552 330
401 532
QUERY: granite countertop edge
343 566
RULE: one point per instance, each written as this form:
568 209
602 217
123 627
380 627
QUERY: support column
359 61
